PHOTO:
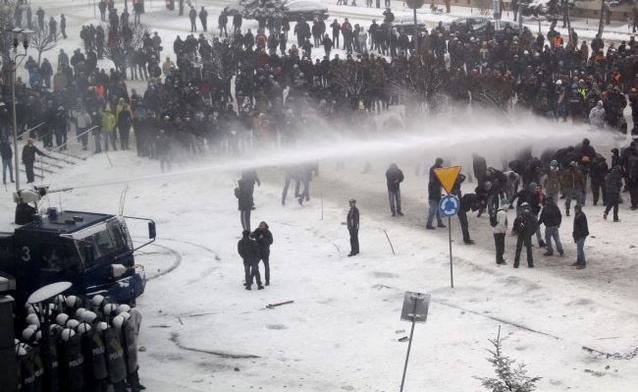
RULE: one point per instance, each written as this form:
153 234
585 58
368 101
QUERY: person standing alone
580 233
263 236
244 195
353 228
394 176
7 156
525 226
28 158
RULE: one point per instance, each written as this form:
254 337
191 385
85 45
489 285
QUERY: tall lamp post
18 35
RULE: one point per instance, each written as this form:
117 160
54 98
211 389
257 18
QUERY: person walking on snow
249 252
394 177
352 221
580 233
434 196
525 225
551 217
244 196
613 185
263 236
499 231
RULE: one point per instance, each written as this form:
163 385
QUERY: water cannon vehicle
93 251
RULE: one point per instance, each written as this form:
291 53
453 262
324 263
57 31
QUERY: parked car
293 10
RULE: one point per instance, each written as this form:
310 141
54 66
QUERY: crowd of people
280 87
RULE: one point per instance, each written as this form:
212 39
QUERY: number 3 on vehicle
26 253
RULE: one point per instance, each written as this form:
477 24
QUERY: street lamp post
18 34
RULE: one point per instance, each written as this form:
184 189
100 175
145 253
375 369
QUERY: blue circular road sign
449 205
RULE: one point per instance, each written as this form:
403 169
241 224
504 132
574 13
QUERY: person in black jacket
249 252
7 155
263 236
462 213
353 228
525 226
613 185
580 233
244 196
394 177
28 158
551 217
434 196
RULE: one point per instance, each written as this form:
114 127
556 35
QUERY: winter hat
554 162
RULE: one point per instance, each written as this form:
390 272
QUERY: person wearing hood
597 115
525 225
108 127
263 236
394 177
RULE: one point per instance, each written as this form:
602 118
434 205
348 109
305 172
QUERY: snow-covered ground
203 332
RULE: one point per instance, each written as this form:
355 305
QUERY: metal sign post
449 206
415 309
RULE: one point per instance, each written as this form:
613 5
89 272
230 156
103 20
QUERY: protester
353 227
580 233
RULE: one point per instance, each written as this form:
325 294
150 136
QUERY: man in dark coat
613 185
580 233
244 195
551 217
203 17
263 236
462 214
353 228
394 177
249 252
28 158
434 196
479 167
525 226
7 156
192 14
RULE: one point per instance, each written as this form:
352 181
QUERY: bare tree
43 41
121 45
359 83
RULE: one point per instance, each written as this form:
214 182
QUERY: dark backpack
493 221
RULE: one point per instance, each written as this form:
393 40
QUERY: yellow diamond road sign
447 176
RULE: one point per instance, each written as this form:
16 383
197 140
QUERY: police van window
52 257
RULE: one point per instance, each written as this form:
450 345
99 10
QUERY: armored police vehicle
93 251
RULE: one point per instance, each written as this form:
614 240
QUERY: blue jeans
7 164
552 232
395 201
434 211
580 250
